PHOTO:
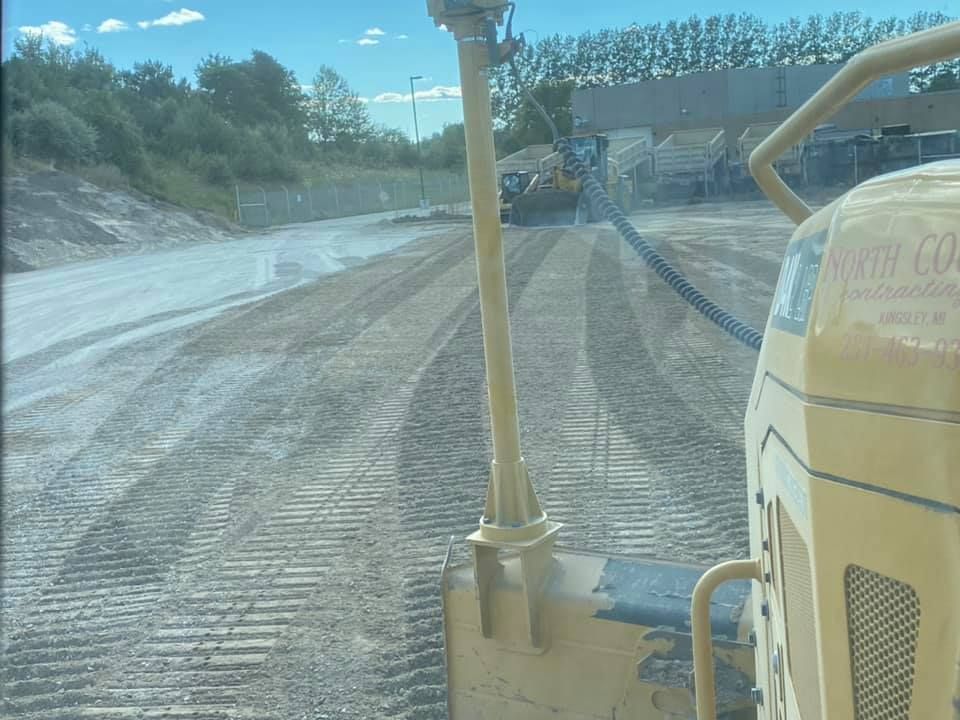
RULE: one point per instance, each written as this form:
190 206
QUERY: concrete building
735 99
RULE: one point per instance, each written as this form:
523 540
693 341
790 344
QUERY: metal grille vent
883 619
803 664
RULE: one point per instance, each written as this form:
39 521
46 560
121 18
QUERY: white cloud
367 41
374 31
112 25
183 16
342 41
86 27
55 31
438 92
403 37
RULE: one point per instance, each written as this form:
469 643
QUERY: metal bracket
536 562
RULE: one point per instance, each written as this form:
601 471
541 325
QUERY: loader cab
513 184
592 152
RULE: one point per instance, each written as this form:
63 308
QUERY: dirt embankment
51 218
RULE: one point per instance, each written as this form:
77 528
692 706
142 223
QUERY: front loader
558 197
849 604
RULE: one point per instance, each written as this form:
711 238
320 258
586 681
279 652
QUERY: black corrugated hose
605 207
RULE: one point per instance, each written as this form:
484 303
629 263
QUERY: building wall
712 99
923 112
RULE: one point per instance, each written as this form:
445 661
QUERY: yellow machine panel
616 625
853 443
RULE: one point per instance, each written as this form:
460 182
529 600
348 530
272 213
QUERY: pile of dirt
435 216
51 218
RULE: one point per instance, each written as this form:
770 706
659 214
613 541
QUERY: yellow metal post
488 237
512 510
512 519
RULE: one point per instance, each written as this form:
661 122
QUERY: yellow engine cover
853 456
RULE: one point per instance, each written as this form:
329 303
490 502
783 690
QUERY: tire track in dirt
442 467
695 469
213 364
112 572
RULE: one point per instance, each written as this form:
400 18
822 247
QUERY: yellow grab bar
703 676
921 48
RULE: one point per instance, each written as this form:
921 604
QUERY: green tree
153 80
335 114
446 149
50 131
253 92
119 139
556 98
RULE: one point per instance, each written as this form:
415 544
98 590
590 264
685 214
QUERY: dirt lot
246 517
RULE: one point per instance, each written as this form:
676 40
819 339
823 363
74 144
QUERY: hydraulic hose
605 207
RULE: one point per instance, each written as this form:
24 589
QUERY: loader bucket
607 637
545 208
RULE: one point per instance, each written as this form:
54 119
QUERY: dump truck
690 158
848 604
791 166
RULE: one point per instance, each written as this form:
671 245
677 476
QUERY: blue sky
375 44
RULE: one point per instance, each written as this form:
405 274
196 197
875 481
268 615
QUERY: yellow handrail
922 48
703 675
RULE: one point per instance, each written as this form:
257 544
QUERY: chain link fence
267 205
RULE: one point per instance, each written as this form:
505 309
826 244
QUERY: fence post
336 198
266 207
310 200
287 193
239 215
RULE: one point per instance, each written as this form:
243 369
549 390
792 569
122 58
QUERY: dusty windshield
417 360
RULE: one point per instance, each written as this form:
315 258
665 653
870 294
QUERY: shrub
48 130
106 176
119 140
213 168
258 159
196 127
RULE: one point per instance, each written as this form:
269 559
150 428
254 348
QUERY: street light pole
416 130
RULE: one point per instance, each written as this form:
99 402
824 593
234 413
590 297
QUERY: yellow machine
849 606
513 184
557 198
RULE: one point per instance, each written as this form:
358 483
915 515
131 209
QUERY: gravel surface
246 516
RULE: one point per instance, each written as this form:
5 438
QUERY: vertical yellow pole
512 510
488 236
